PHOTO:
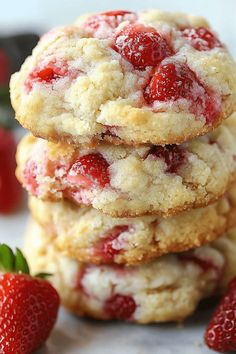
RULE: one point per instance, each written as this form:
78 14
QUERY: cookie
227 246
134 78
167 289
127 181
85 234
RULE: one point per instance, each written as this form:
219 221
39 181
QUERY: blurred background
21 24
41 15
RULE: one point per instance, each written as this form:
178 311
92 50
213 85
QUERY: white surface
44 14
72 336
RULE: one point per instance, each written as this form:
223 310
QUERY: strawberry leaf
7 258
43 275
21 265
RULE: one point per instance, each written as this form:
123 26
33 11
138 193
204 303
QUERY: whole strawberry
28 305
221 331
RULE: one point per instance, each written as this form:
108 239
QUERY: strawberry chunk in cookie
103 25
173 155
174 81
110 244
201 38
141 45
120 307
90 170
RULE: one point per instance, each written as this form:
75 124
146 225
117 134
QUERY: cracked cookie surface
167 289
134 78
85 234
125 181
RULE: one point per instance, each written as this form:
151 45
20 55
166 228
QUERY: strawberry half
28 305
221 331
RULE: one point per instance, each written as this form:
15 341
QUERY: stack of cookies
131 165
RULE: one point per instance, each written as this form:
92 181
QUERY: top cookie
147 77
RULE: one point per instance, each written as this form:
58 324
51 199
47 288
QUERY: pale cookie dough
147 77
85 234
168 289
127 181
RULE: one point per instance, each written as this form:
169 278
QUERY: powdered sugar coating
167 289
162 181
102 97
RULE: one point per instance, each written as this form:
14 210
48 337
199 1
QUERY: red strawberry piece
120 307
10 189
212 107
28 305
220 333
173 81
201 38
142 46
89 171
5 68
108 20
30 174
173 155
47 73
106 246
33 170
